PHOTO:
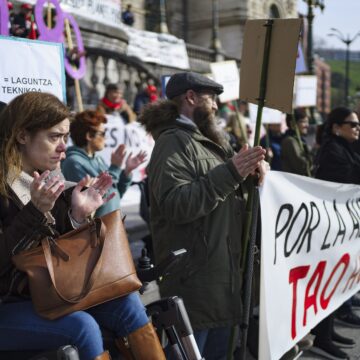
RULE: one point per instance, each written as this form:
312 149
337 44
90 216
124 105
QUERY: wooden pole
77 82
49 17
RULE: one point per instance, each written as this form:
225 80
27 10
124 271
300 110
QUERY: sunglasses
100 133
352 124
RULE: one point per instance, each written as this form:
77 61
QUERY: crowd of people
197 183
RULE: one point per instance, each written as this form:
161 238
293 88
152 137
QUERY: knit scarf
112 105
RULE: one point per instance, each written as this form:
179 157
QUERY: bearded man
197 203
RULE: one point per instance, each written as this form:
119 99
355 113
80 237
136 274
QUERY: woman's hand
84 203
132 162
118 156
44 191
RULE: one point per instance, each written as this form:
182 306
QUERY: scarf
112 105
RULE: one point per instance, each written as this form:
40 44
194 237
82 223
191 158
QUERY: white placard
310 260
133 135
28 65
305 90
227 74
269 116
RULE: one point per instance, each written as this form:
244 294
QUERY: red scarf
111 105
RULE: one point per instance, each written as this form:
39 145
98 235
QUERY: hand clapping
44 191
84 203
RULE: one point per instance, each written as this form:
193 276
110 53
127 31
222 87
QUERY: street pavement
354 353
136 229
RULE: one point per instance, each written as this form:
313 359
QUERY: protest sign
133 135
281 67
28 65
305 90
310 256
226 73
269 116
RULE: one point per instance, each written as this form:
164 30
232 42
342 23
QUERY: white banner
163 49
227 74
28 65
133 135
310 256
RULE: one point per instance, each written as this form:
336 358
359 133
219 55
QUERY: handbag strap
98 232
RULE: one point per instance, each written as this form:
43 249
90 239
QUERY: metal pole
309 50
347 41
347 65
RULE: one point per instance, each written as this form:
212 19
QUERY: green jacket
293 158
196 203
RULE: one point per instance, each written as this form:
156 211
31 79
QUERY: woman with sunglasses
87 132
336 161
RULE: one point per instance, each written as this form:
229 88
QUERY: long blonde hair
31 112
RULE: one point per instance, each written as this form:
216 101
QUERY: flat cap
179 83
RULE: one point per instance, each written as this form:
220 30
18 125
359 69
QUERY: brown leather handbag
82 268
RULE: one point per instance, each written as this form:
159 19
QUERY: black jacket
21 227
337 162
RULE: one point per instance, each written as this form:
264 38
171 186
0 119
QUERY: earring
337 133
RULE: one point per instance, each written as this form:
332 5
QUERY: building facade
194 20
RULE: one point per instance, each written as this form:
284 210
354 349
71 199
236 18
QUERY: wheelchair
168 316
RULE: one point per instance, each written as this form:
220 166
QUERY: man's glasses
211 96
352 124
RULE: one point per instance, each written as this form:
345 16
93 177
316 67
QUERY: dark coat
23 226
196 203
336 161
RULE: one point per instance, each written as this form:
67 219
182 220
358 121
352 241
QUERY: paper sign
226 73
269 116
28 65
282 60
305 90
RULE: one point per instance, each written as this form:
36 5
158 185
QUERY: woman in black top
336 161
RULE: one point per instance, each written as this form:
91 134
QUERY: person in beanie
196 201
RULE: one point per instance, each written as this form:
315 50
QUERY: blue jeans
22 329
213 343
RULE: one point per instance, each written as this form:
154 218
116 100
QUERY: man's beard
206 122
